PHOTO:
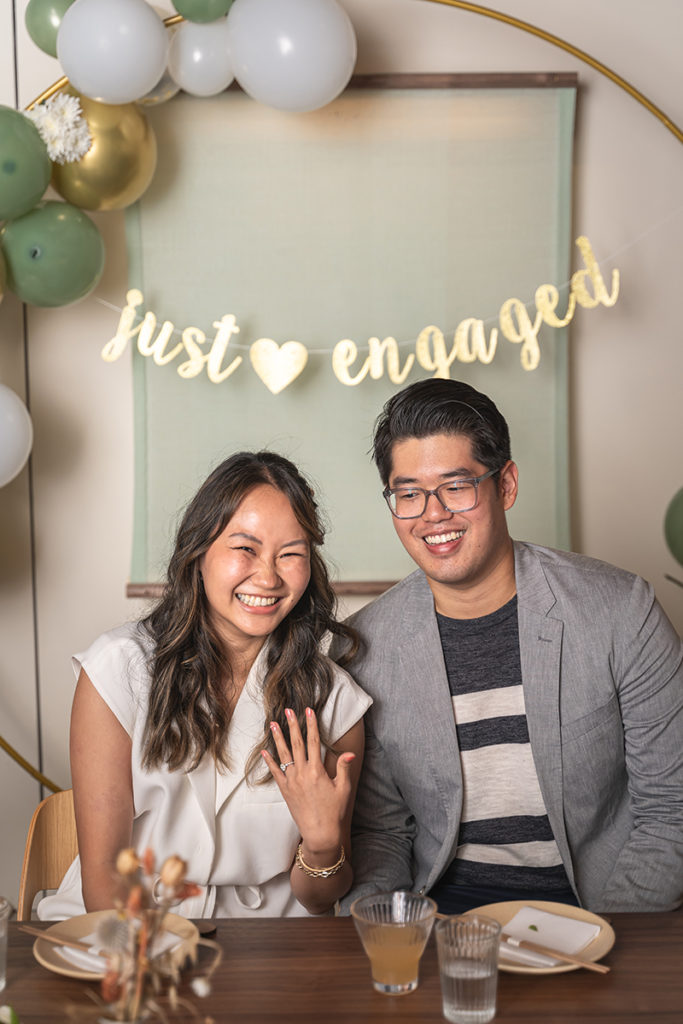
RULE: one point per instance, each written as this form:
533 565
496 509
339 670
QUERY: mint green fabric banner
387 212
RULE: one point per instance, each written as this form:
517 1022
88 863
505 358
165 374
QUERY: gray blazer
602 671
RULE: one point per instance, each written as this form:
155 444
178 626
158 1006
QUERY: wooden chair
51 845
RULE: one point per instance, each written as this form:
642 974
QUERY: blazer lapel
429 711
540 643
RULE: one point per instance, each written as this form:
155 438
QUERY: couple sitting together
511 727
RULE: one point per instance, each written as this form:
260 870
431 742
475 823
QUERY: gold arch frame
486 12
581 55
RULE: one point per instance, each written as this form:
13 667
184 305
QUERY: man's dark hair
437 406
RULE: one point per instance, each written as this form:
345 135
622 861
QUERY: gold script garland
277 366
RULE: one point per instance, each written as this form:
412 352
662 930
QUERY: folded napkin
92 961
562 933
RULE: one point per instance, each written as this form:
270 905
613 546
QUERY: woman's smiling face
257 569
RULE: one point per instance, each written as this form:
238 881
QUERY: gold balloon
3 276
120 164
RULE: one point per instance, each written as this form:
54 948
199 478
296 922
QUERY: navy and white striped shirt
505 836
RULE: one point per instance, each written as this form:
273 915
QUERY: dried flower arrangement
141 984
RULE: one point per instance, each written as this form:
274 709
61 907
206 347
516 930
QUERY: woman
197 731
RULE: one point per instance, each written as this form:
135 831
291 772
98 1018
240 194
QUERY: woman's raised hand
317 800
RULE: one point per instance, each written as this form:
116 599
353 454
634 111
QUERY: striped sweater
505 837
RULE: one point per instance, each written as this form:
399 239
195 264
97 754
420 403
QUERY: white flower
201 987
62 128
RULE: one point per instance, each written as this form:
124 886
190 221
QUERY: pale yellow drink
394 928
394 951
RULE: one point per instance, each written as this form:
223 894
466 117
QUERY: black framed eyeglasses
460 495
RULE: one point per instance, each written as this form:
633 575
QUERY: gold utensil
51 937
555 953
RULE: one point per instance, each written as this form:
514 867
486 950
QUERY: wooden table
314 972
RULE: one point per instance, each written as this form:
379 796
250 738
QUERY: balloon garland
673 527
88 135
16 431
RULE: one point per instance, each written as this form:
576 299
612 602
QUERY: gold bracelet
317 872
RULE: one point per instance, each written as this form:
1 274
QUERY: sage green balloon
54 254
673 526
25 167
202 10
43 18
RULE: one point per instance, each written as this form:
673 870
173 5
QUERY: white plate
595 950
48 954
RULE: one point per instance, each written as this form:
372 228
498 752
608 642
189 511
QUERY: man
526 736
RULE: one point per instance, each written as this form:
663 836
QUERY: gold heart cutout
278 365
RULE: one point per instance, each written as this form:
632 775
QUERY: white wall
17 664
626 362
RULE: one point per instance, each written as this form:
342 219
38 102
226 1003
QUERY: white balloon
291 54
165 89
114 51
199 57
16 435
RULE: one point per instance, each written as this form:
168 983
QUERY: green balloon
54 254
43 18
202 10
673 526
25 167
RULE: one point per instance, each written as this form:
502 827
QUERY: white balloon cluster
16 435
294 55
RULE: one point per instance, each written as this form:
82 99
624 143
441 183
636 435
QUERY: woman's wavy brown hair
192 688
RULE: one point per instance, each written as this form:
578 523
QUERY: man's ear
508 482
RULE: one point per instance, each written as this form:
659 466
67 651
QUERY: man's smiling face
456 550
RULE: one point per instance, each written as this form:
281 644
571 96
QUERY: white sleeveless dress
239 839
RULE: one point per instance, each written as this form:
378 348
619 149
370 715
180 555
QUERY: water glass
5 911
394 928
467 948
